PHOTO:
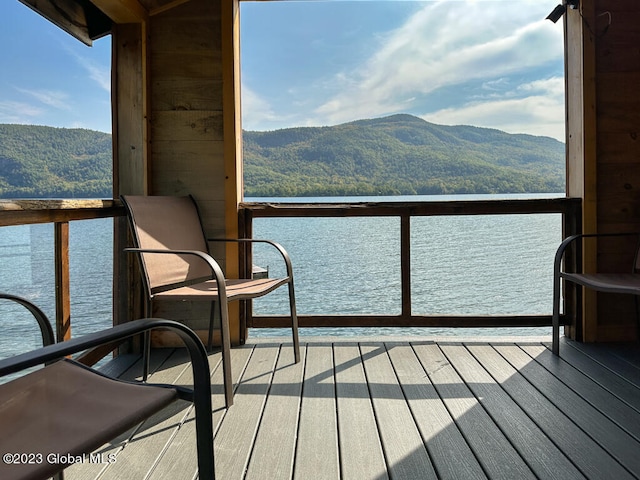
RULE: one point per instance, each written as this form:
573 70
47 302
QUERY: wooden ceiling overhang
88 20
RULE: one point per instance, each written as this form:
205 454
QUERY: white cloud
18 112
51 98
444 45
258 114
540 112
98 73
255 110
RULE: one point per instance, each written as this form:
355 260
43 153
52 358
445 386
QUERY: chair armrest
120 332
277 246
218 275
46 330
557 264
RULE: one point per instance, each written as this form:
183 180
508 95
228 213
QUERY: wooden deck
402 410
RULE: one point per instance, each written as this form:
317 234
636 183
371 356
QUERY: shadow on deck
383 408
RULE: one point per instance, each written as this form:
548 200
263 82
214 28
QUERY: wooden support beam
123 11
168 6
580 77
232 131
80 19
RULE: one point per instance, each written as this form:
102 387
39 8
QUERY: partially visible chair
626 282
66 410
46 330
176 265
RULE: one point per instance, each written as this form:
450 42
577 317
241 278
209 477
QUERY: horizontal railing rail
569 208
59 212
28 212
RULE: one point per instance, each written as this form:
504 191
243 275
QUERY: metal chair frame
625 283
208 283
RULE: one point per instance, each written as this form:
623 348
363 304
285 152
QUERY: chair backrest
167 223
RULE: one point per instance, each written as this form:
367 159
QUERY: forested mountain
47 162
400 154
395 155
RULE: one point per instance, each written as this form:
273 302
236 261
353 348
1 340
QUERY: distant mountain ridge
399 155
48 162
395 155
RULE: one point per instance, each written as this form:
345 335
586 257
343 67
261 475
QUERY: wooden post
63 297
232 133
405 264
580 79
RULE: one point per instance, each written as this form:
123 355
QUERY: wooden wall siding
186 121
617 56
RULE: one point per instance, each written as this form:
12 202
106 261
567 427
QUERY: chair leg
146 342
146 354
555 318
294 323
223 310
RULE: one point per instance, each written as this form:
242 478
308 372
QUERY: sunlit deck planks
379 408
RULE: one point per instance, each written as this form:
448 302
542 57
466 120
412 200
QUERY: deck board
581 449
621 413
495 453
362 455
451 455
279 423
475 363
608 370
397 408
178 460
618 443
240 424
406 453
317 453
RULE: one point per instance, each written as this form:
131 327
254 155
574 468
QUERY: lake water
499 264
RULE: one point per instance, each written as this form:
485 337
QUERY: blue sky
50 78
488 63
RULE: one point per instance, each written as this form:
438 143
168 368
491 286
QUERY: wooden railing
60 213
569 208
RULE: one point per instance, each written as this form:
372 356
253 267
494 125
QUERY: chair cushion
68 409
236 290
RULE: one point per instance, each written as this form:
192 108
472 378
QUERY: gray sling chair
175 263
626 282
66 410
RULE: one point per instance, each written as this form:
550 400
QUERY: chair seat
66 409
237 289
607 282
